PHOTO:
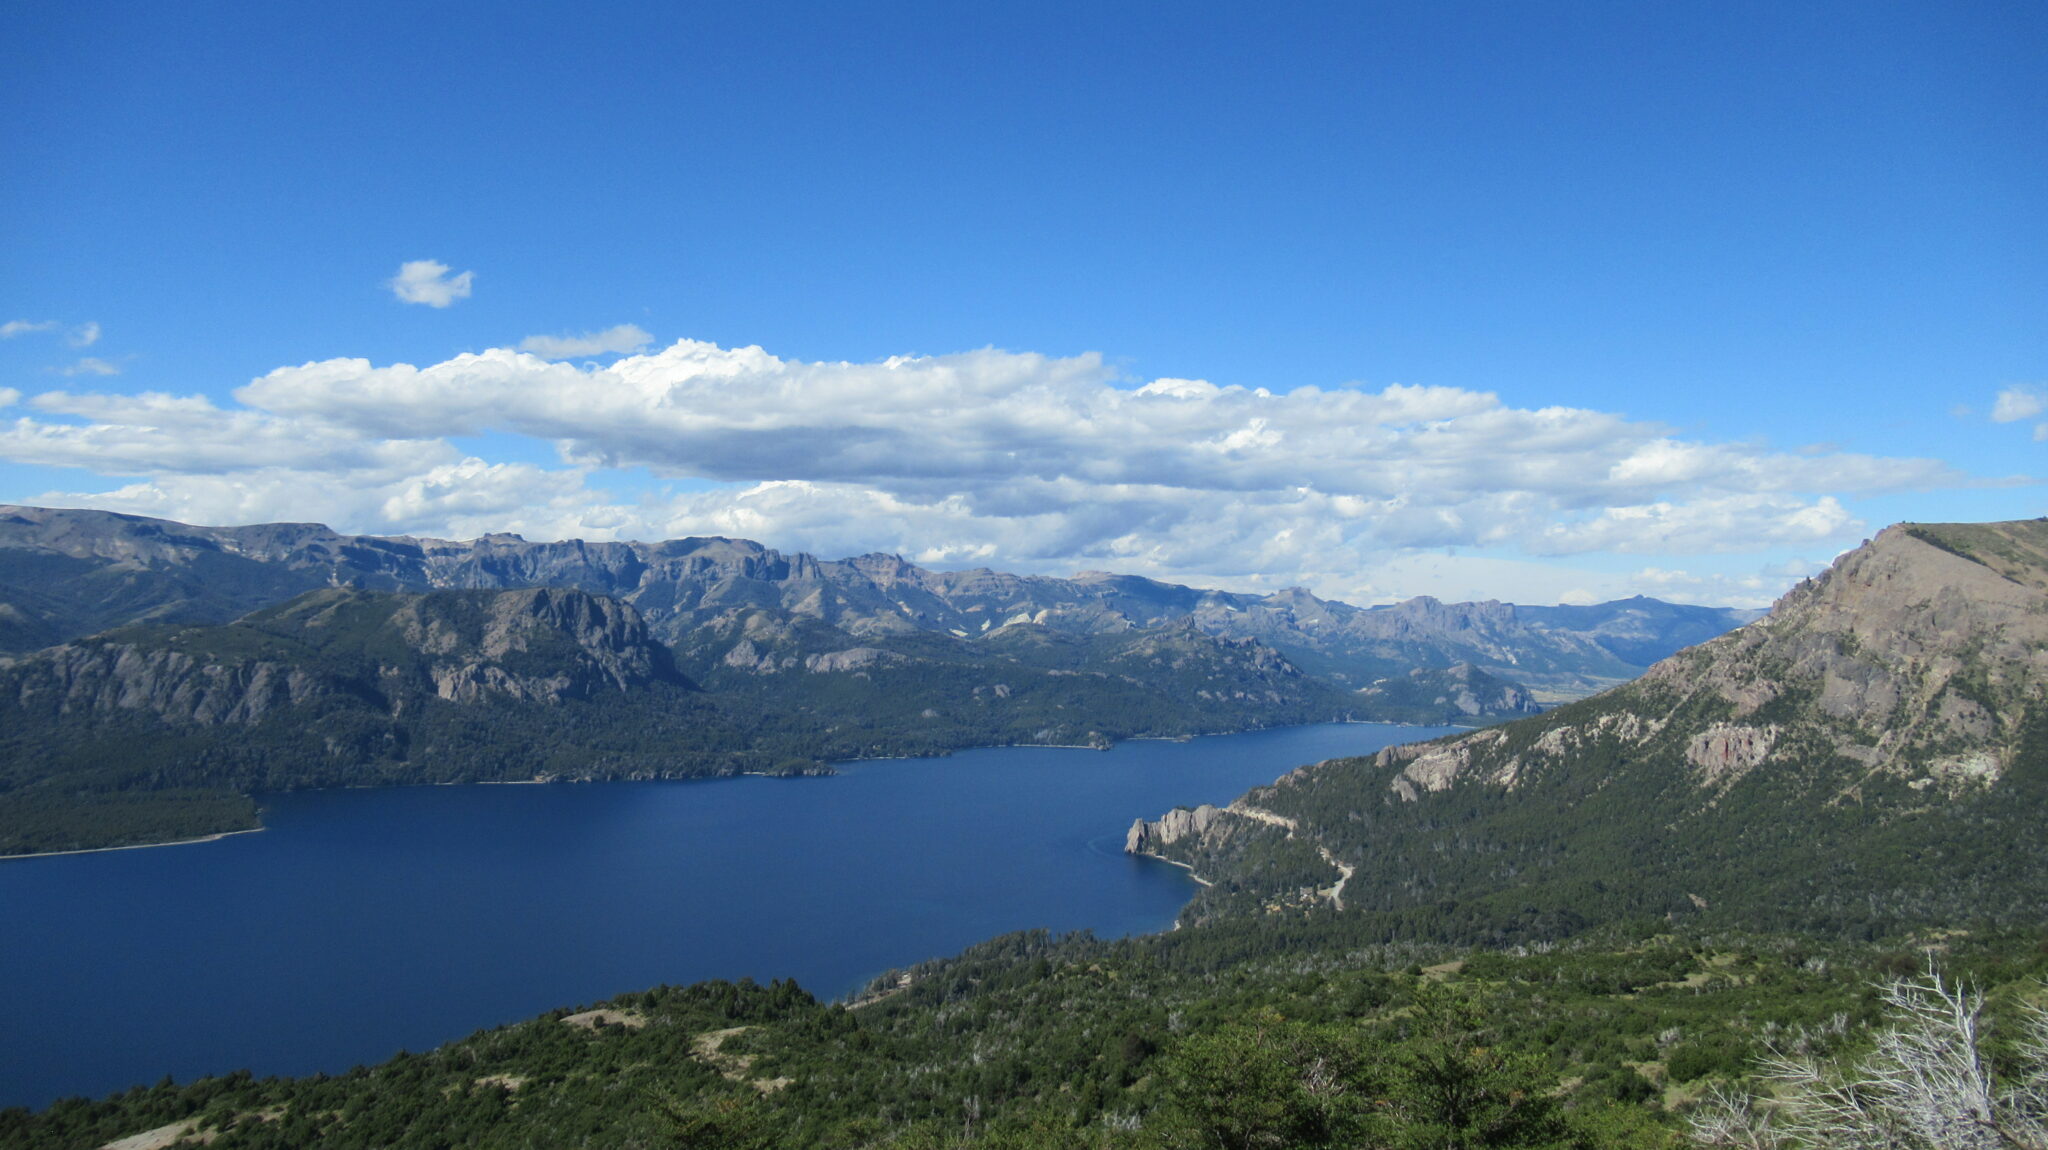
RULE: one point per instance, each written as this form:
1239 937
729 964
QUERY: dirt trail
1291 826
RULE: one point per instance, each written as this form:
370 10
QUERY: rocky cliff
381 650
1150 838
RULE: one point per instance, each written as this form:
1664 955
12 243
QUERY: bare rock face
1725 752
364 648
171 684
851 659
1452 694
1928 642
1919 655
1175 825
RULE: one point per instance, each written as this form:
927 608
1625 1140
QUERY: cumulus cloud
428 282
2022 402
84 335
15 327
625 337
158 434
987 424
2017 403
1016 460
9 397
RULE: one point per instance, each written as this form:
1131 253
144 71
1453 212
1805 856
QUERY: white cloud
15 327
9 397
90 365
625 337
158 434
2017 403
1020 461
1744 522
84 335
2022 402
462 498
428 282
988 424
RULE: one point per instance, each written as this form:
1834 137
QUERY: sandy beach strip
213 838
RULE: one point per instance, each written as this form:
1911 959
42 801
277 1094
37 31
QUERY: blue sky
1593 298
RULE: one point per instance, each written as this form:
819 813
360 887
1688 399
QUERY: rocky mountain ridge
1910 657
65 574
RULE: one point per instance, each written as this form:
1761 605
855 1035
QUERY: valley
155 675
1592 918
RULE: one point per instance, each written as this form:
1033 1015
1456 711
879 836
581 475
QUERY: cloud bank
1013 459
625 337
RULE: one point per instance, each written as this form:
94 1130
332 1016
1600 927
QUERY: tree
1926 1085
1268 1083
724 1122
1454 1087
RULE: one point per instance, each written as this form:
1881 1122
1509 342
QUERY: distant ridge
65 574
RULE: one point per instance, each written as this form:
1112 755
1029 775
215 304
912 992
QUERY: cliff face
379 650
1150 838
166 683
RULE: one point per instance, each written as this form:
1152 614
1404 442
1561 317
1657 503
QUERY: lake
361 922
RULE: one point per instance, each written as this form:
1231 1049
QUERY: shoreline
830 771
852 996
1171 862
212 838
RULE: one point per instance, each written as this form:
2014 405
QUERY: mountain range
153 675
65 574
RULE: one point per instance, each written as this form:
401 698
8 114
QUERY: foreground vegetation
1169 1041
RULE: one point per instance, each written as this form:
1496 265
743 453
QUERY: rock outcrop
1146 838
1456 694
358 648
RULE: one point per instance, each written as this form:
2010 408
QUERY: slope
1875 752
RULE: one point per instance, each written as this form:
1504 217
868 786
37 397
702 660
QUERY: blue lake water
362 922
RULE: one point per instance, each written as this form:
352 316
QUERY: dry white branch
1924 1086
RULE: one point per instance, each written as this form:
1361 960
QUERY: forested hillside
150 733
1871 757
1210 1036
